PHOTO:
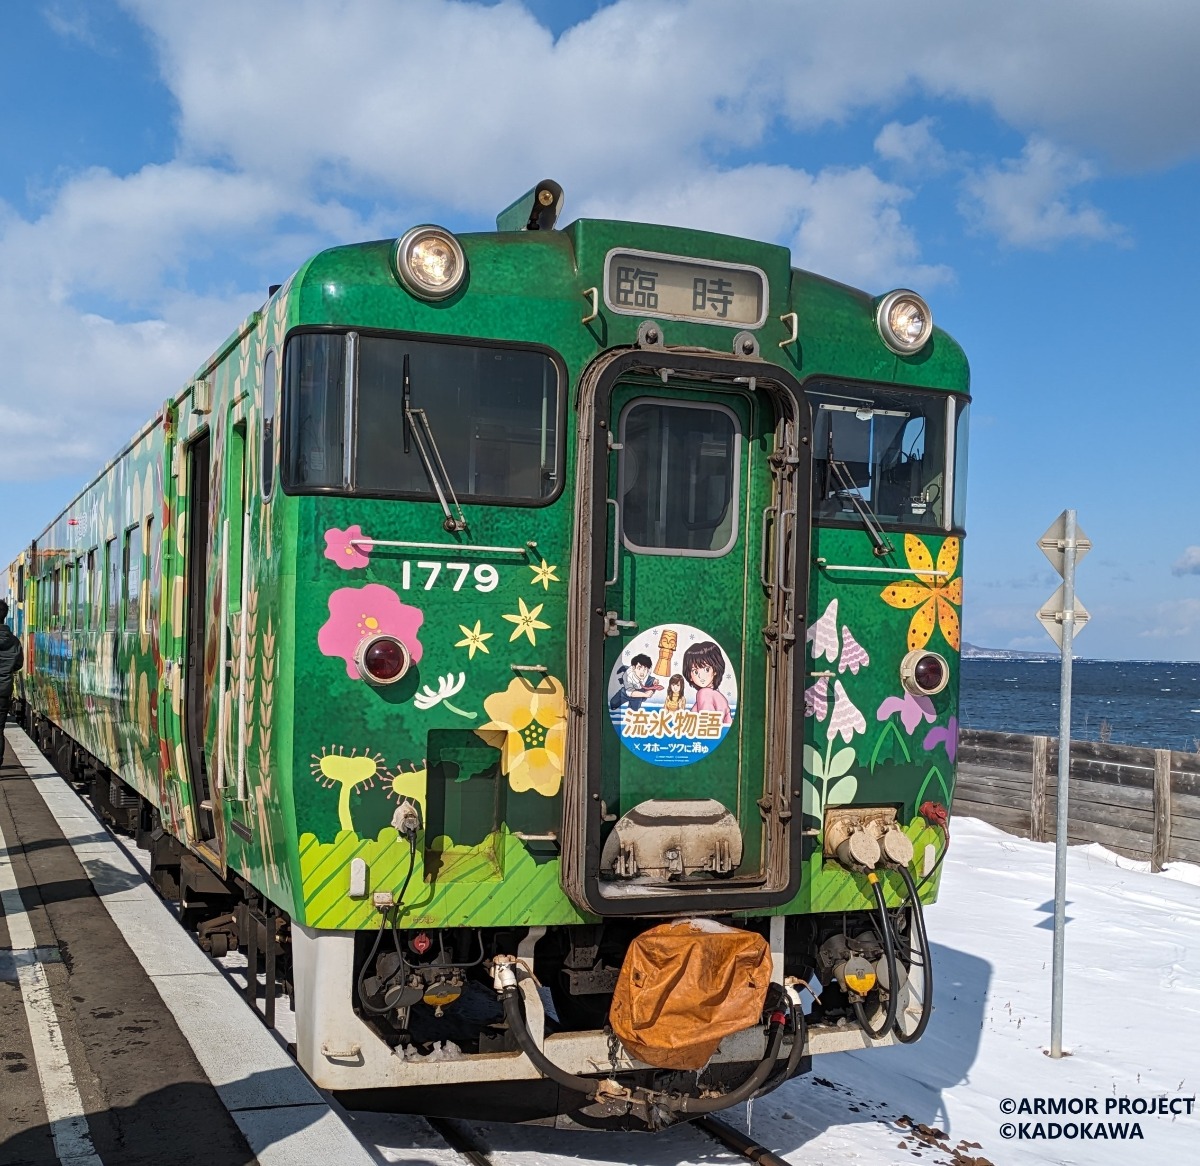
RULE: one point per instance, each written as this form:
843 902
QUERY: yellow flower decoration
529 727
474 639
544 574
934 596
526 622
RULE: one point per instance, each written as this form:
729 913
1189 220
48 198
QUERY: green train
541 648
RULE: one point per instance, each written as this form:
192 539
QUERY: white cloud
122 236
420 87
854 232
1030 201
842 223
87 382
1188 563
71 25
912 147
104 312
94 333
1173 620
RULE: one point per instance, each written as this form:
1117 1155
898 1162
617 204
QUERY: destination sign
640 283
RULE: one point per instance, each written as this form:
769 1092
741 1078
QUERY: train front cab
680 630
689 545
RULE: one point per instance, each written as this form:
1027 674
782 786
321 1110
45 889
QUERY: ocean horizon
1153 703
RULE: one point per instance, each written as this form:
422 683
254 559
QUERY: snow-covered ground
1131 1024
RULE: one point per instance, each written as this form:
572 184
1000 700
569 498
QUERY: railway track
738 1142
461 1138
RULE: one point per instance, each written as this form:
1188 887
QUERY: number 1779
486 577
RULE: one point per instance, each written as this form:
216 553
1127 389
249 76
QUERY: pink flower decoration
823 634
854 655
947 736
846 719
340 548
374 610
912 709
816 699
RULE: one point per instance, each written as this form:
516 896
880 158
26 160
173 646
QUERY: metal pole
1064 771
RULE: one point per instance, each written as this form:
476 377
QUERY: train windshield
889 449
493 413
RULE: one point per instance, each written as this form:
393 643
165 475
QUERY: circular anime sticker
672 695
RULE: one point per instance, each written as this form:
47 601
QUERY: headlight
430 263
382 660
924 673
904 322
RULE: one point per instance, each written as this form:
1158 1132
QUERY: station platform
121 1043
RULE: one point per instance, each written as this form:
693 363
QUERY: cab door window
679 469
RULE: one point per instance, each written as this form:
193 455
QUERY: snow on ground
1131 1023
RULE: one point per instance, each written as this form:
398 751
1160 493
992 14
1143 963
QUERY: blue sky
1030 168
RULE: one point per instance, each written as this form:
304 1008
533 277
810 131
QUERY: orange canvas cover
686 985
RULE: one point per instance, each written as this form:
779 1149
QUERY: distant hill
971 652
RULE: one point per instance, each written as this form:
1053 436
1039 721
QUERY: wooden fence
1142 803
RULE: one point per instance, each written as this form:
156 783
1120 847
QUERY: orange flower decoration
933 596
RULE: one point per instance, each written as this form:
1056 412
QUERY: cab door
691 650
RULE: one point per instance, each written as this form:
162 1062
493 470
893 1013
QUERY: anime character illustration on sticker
672 695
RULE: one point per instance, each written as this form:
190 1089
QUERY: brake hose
885 929
799 1039
383 922
510 995
750 1086
926 965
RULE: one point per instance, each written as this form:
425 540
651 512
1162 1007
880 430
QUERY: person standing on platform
11 660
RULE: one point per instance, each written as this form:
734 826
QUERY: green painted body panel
897 750
307 764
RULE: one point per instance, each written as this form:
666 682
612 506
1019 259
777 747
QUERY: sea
1126 702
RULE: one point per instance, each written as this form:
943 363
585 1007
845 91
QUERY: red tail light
924 673
382 660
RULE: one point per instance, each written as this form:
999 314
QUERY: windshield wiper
848 488
426 445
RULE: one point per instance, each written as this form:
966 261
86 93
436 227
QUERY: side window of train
21 583
112 584
96 599
92 596
235 509
81 592
154 565
268 425
132 565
